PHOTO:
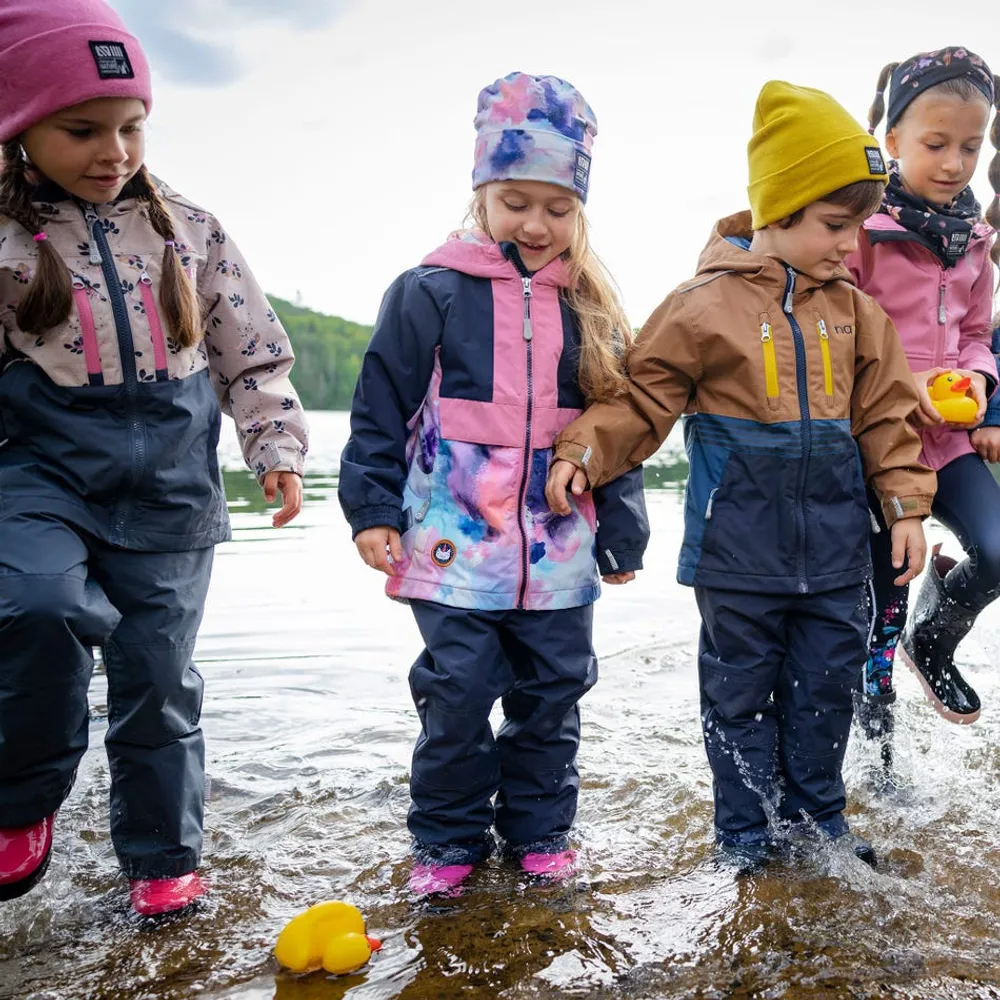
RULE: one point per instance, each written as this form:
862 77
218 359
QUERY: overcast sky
334 138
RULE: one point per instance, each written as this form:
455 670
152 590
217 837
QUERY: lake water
310 729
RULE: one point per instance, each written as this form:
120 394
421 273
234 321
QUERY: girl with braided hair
128 322
927 258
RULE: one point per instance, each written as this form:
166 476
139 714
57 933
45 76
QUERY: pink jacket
942 314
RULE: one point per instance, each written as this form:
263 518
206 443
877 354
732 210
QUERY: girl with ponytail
128 321
927 257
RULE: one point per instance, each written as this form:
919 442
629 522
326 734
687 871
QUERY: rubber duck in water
328 936
948 396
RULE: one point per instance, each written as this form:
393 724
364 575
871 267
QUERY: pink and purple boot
556 866
438 880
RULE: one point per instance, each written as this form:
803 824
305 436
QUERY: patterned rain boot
936 627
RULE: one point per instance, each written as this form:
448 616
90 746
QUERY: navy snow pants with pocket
539 663
61 594
777 675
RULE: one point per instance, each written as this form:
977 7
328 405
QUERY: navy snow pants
539 663
777 675
61 594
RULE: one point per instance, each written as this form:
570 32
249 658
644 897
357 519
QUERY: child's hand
289 485
978 389
926 415
908 541
561 475
986 441
616 578
376 545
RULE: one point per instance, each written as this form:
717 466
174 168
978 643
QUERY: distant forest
328 353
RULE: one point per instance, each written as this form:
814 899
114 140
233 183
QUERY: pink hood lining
473 252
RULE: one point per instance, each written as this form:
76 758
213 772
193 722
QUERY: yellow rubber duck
328 936
948 396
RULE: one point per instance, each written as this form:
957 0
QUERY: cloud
179 36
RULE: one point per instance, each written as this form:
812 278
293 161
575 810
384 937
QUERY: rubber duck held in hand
328 936
948 396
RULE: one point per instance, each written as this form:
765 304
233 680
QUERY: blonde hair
605 335
48 299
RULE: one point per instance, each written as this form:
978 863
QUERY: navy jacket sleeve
622 524
395 374
992 417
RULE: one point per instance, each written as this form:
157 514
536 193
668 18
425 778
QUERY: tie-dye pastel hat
534 128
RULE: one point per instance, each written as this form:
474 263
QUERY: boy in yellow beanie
802 394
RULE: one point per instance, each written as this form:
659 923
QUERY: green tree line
328 353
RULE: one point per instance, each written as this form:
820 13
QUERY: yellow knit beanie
804 146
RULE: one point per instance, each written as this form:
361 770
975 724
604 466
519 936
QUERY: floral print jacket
107 417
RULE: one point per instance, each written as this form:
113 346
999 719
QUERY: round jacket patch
443 553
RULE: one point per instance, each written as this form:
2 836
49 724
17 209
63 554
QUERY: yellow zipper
824 347
770 361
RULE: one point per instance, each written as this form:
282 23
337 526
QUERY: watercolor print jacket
802 394
470 375
108 422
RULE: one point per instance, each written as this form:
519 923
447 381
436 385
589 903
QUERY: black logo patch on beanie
112 61
876 165
581 173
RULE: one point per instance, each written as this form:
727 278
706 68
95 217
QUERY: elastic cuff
152 868
376 517
618 560
580 455
463 852
896 508
554 844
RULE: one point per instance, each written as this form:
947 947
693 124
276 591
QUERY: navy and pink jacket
470 375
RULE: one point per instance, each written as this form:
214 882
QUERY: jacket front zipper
510 252
101 250
803 390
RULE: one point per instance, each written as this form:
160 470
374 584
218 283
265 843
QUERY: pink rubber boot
152 897
438 880
24 856
556 866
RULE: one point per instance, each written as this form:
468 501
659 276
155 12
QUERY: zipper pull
145 279
942 318
90 215
765 333
821 326
526 284
790 292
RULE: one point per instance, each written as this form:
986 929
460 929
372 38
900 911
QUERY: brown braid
877 109
993 212
49 297
177 296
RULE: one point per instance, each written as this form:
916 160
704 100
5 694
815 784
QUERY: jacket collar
720 254
473 252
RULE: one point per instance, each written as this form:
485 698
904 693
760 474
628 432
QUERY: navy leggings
967 504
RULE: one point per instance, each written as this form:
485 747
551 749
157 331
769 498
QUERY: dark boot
936 627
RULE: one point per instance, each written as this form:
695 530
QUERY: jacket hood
722 254
472 252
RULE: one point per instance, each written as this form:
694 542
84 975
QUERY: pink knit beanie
57 53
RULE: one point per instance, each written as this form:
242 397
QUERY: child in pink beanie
111 501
